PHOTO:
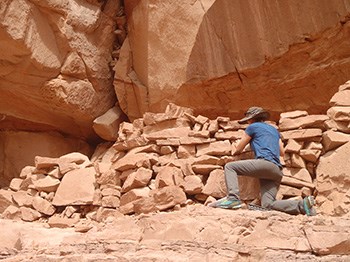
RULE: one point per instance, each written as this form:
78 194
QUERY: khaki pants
270 177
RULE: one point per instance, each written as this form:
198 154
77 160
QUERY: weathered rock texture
18 149
216 57
194 233
173 161
54 70
333 177
55 76
213 59
220 57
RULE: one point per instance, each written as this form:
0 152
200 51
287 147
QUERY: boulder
5 199
67 68
333 181
76 188
107 125
43 206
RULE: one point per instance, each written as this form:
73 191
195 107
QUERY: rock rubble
168 160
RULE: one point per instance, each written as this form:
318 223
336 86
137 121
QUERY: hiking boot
308 204
227 203
313 211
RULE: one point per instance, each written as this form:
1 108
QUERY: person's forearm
239 149
281 148
241 145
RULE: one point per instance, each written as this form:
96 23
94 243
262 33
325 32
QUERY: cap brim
265 115
244 119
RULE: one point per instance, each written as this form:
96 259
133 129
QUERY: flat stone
218 148
43 206
291 181
131 161
62 222
339 113
229 135
29 214
5 199
76 188
177 132
192 185
139 178
215 185
15 184
293 114
168 197
341 98
310 121
46 184
302 134
332 140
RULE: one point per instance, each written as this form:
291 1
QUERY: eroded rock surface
146 195
55 71
214 58
18 149
194 233
220 57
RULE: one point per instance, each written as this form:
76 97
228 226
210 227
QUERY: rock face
55 77
54 71
220 57
144 193
18 149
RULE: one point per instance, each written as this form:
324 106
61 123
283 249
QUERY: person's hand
243 142
236 153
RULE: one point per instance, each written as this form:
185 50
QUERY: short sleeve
250 130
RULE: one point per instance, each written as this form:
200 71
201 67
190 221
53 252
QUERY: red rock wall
223 56
55 72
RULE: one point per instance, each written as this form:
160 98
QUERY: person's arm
281 148
242 143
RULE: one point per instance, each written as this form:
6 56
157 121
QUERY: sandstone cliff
76 72
220 57
55 72
55 76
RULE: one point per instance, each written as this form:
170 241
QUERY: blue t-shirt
265 141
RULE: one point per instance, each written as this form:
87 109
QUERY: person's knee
231 166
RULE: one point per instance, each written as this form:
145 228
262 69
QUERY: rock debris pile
167 160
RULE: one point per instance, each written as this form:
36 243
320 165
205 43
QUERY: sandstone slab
76 188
